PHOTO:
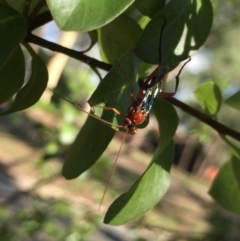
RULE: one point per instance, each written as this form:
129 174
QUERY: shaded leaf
234 101
13 29
209 97
88 146
85 15
187 26
118 37
34 88
19 5
145 193
150 7
225 189
12 75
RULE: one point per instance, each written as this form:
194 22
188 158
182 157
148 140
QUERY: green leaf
90 143
34 88
13 29
118 37
114 89
188 24
225 189
167 119
150 7
234 101
85 15
153 184
209 97
145 193
12 75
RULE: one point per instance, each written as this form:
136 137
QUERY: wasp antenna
88 113
177 77
112 171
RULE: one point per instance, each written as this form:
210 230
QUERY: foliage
175 31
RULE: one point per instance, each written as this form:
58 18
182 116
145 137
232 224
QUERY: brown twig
220 128
70 52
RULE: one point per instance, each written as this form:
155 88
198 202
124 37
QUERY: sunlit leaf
13 29
85 15
209 97
12 75
234 101
225 189
187 26
118 37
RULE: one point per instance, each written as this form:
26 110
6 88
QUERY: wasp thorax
130 126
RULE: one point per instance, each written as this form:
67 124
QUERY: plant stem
220 128
94 63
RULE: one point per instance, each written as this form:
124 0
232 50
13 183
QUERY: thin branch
70 52
220 128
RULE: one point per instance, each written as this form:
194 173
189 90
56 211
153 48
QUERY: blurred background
37 203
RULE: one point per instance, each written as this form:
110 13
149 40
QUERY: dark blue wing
154 87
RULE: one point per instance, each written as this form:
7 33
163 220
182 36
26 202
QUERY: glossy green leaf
118 37
145 193
12 75
13 29
32 91
114 89
167 119
153 184
85 15
150 7
90 143
209 97
188 24
234 101
225 189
